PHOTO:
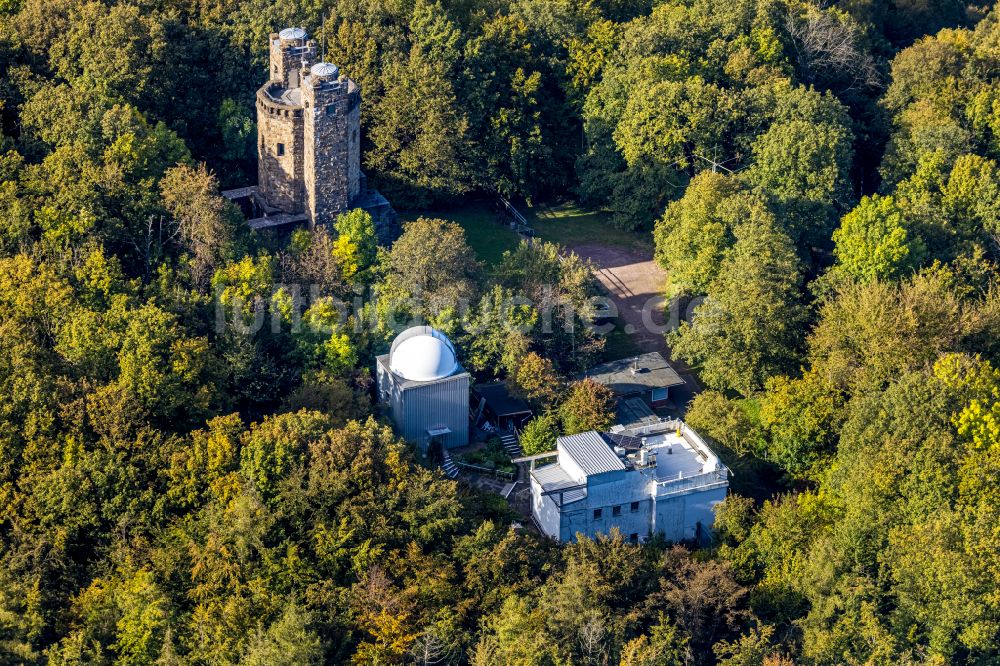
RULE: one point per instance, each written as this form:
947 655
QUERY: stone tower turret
280 168
332 142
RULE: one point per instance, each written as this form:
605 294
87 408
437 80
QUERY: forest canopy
192 467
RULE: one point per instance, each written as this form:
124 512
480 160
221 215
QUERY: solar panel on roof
628 442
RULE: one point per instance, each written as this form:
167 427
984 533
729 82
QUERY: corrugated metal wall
438 404
417 408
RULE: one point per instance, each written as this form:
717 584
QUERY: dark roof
653 372
632 411
500 401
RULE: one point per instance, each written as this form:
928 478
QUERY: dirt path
636 283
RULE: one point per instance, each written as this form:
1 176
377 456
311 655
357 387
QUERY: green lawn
488 238
569 224
565 224
619 344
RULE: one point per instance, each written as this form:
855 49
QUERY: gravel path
636 283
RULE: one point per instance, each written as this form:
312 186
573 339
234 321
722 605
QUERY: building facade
425 389
661 479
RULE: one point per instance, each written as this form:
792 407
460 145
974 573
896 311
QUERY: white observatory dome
422 354
292 33
325 70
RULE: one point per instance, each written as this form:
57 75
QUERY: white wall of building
677 516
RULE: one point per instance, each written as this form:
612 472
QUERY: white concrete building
661 478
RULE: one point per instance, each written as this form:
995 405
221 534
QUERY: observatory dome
325 70
292 33
422 354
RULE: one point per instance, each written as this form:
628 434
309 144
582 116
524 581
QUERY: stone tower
331 142
308 137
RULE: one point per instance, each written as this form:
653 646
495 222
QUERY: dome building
425 388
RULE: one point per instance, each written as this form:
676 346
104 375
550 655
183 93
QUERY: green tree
805 159
168 372
356 247
288 640
748 328
272 448
432 264
801 417
663 646
588 406
418 135
696 230
540 434
207 223
873 241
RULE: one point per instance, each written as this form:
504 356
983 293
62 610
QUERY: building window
281 149
331 110
597 514
635 507
658 395
634 537
616 511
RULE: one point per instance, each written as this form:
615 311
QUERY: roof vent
292 33
620 451
325 70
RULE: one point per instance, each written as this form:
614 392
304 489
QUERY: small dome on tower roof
292 33
422 354
325 69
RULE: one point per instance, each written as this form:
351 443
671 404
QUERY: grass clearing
570 224
619 344
487 238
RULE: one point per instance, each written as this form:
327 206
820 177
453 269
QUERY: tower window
597 514
281 149
635 507
616 511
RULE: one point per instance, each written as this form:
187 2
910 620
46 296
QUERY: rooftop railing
703 481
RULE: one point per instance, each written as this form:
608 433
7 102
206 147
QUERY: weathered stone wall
290 60
332 168
280 177
354 148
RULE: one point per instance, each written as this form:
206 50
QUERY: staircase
510 444
448 465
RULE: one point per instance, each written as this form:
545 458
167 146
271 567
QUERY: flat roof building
661 478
